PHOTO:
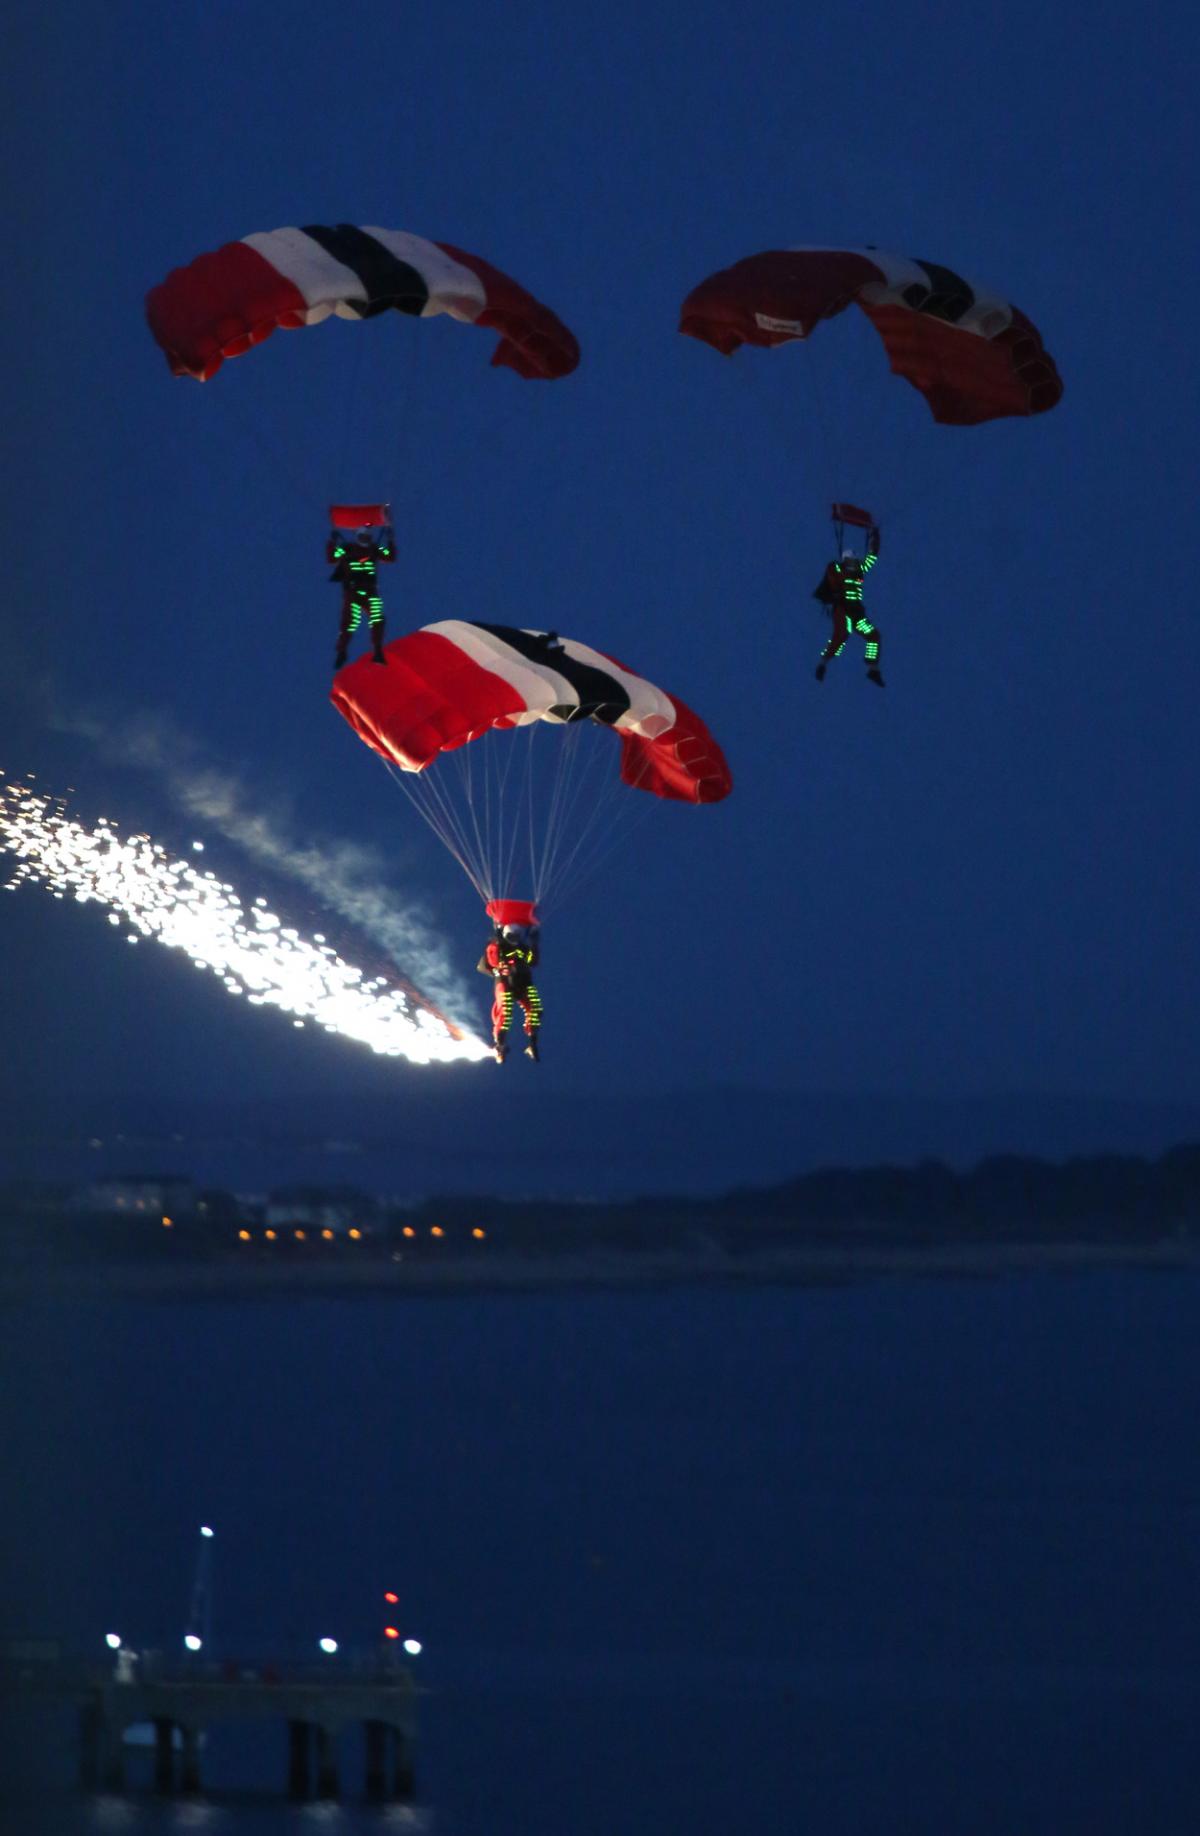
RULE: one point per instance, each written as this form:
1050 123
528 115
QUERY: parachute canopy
225 302
973 356
452 682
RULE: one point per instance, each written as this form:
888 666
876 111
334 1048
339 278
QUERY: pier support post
90 1740
403 1783
164 1757
110 1748
375 1737
327 1770
299 1744
189 1772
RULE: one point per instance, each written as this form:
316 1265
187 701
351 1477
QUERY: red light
392 1599
390 1632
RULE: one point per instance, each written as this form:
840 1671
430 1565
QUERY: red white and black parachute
444 713
225 302
973 355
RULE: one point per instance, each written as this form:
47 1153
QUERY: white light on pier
413 1647
113 1640
328 1645
192 1641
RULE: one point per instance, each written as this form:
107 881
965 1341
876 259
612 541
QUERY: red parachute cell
972 355
452 682
225 302
447 687
512 911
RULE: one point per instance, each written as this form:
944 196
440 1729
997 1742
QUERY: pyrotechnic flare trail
153 895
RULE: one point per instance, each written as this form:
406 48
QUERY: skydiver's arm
872 554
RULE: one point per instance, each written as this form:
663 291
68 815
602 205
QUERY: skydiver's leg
346 625
375 621
531 1003
501 1021
352 612
871 643
837 639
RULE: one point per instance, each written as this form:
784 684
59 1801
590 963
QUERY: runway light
413 1647
113 1640
192 1641
328 1645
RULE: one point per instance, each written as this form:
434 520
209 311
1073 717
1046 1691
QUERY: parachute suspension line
309 488
833 459
427 800
576 871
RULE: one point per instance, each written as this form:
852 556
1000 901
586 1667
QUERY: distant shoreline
374 1277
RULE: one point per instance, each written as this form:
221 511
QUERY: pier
171 1711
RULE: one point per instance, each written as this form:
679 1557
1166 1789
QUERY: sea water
907 1557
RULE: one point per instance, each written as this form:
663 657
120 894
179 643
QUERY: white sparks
153 896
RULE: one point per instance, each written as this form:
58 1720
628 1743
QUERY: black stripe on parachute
947 297
387 281
601 697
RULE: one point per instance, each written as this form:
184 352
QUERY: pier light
328 1645
436 1231
409 1231
390 1632
354 1232
207 1530
413 1647
392 1599
243 1236
477 1232
193 1641
113 1640
167 1223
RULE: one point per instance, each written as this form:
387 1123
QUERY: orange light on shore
244 1236
354 1232
167 1223
327 1234
409 1231
437 1231
478 1233
390 1632
271 1235
300 1235
392 1599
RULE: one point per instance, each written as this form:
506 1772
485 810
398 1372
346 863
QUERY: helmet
848 554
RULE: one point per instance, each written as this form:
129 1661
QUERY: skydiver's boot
531 1048
339 661
500 1050
874 676
820 672
377 655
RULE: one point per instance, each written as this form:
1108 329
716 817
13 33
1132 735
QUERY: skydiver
355 560
509 957
840 591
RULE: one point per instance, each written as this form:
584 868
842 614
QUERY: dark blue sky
981 879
